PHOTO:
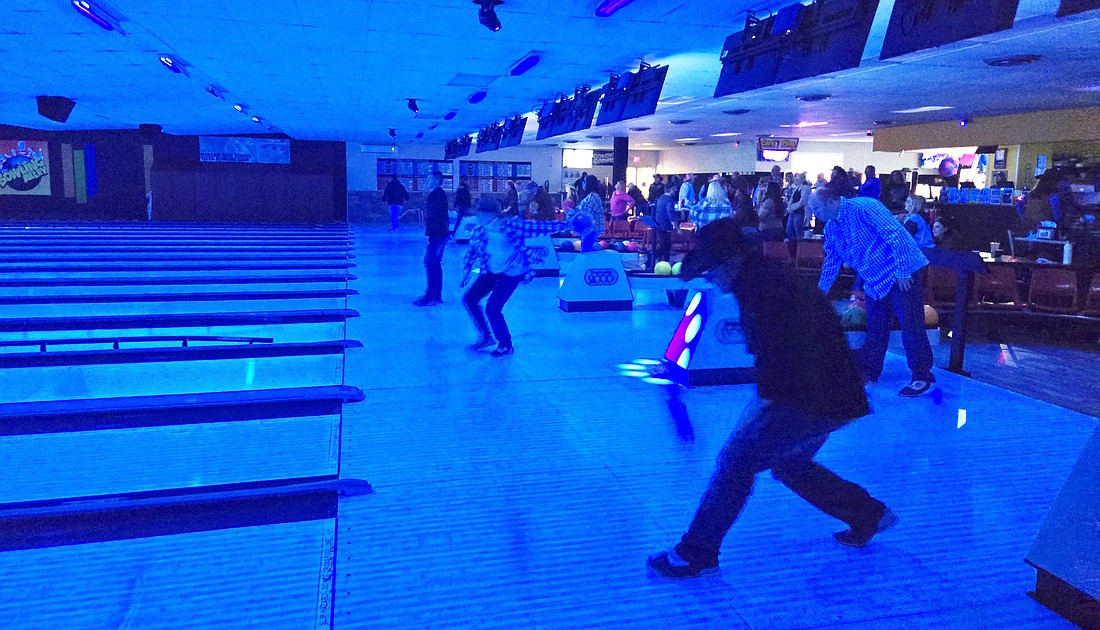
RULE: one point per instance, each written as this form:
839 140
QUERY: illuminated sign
601 277
243 150
24 168
779 144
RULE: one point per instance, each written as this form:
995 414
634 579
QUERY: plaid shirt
703 213
516 231
866 236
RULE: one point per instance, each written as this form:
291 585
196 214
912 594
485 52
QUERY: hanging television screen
922 24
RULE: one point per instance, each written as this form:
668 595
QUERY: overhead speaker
56 108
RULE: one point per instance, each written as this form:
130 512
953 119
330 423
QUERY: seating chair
1053 290
940 291
809 254
1092 300
998 289
777 251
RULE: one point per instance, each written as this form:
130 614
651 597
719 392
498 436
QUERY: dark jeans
781 439
794 225
664 244
908 307
395 216
433 266
499 288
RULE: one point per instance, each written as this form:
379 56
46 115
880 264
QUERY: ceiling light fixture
594 137
736 112
523 65
215 91
450 115
420 135
728 134
814 98
607 7
487 13
883 122
1012 60
95 14
174 64
639 129
239 107
393 133
688 139
413 107
681 122
922 110
803 125
257 120
432 126
478 96
964 121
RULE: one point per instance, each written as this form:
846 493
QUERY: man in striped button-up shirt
861 232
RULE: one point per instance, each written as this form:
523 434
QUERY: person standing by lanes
872 185
463 203
796 208
395 196
656 189
862 233
436 229
795 336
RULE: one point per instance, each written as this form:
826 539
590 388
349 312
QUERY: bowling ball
854 318
676 268
931 317
618 246
605 244
662 269
631 246
576 246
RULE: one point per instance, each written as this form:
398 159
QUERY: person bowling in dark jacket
795 335
437 230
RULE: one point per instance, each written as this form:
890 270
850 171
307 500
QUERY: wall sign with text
244 150
24 168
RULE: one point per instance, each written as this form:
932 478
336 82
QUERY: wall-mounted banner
603 157
779 144
24 168
244 150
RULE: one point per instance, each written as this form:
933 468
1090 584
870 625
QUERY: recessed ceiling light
680 122
571 141
639 129
523 65
803 125
921 110
883 122
689 144
728 134
688 139
239 107
1012 60
215 91
478 96
594 137
450 115
736 112
814 98
257 119
647 144
173 64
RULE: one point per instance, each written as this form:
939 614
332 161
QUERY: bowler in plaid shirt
861 232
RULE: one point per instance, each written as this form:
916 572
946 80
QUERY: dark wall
311 189
119 170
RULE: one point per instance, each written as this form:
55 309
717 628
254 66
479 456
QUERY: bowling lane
69 382
151 284
103 462
280 333
262 577
42 307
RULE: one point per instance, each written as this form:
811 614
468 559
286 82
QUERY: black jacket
395 194
435 213
802 355
462 198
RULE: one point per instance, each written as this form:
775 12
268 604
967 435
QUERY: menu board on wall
413 174
24 168
243 150
491 176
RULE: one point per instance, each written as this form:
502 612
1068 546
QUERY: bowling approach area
213 426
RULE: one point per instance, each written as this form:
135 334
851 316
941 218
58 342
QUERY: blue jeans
784 440
395 216
499 287
908 307
794 225
433 266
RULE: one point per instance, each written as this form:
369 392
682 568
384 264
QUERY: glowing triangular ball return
708 347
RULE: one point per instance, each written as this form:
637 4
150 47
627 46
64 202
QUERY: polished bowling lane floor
526 492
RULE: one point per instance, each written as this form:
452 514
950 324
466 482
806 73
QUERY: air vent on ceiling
736 112
639 129
680 122
814 98
884 122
